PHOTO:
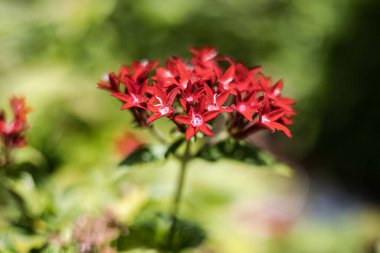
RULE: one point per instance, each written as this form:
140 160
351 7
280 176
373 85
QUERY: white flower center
196 120
106 78
164 110
167 73
8 128
144 62
264 119
190 99
242 107
135 99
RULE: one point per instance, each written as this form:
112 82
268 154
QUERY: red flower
196 121
226 79
203 56
110 83
269 120
246 106
12 132
135 94
138 71
161 103
190 96
215 101
205 64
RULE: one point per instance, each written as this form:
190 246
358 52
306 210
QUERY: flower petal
206 130
210 115
190 132
153 118
183 119
222 97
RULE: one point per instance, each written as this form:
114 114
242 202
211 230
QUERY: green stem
160 137
178 193
6 158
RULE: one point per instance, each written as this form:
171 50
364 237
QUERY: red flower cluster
12 133
194 93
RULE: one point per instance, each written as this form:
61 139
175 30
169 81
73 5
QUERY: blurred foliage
53 52
240 151
152 232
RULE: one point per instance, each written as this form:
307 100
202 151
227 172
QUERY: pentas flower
196 121
204 56
226 79
12 132
192 94
134 96
161 103
110 83
215 100
270 119
246 106
137 72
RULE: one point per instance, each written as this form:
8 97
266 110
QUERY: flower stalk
179 192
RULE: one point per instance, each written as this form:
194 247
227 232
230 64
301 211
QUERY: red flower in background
127 144
12 132
194 93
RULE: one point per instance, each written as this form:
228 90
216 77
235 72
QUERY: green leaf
231 149
173 148
153 233
144 154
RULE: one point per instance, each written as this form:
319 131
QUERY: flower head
192 94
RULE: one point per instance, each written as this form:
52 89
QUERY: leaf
173 148
153 233
230 149
144 154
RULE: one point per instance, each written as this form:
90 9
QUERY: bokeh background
327 51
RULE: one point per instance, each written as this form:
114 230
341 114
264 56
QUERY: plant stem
178 194
159 136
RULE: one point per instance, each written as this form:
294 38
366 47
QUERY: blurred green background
327 51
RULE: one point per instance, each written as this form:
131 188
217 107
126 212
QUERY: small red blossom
110 83
161 104
270 121
196 121
137 72
226 79
192 94
215 101
246 106
12 132
134 96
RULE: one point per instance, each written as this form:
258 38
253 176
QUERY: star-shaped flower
196 120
